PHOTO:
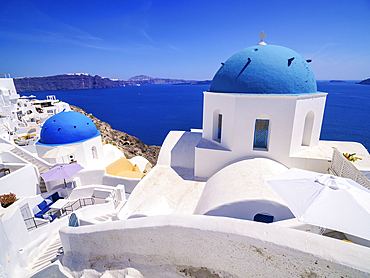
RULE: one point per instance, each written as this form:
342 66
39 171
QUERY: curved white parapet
111 180
178 149
141 162
162 246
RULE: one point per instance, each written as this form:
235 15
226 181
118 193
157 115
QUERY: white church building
74 131
263 102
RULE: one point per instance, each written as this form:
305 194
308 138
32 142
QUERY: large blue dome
265 69
66 128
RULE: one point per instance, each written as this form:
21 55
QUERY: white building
8 105
71 130
263 102
196 212
20 117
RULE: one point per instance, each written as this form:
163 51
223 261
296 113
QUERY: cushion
42 205
55 197
45 210
41 213
36 210
48 201
48 217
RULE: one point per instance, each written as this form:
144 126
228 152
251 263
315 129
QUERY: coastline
130 145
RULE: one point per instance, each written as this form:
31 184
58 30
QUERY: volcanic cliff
130 145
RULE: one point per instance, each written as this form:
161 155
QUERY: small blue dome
265 69
66 128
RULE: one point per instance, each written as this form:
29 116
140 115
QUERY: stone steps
41 169
106 217
53 253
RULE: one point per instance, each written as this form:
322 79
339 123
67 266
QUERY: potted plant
351 157
7 199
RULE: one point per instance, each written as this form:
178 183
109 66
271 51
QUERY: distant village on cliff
78 81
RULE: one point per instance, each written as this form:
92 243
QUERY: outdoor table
59 204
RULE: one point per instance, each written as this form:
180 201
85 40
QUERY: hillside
63 82
79 81
366 82
130 145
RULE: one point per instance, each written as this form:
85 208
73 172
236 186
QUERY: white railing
5 75
342 167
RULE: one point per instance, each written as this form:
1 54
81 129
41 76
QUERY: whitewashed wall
304 105
83 153
286 114
158 244
10 258
22 182
178 149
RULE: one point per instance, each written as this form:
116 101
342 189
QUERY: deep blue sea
150 112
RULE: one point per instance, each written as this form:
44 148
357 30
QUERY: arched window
307 130
94 152
261 133
217 125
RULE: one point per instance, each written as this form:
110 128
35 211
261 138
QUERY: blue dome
265 69
66 128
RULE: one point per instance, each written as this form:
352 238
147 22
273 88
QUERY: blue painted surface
150 112
66 128
261 134
265 69
73 220
219 127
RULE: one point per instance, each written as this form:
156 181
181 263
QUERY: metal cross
262 35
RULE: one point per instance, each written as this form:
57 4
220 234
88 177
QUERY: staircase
53 253
110 216
42 169
106 217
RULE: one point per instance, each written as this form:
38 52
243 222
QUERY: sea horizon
149 112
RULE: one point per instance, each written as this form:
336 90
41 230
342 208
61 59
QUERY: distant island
337 81
366 82
205 82
77 81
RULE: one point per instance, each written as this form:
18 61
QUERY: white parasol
326 201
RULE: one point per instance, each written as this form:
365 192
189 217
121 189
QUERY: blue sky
178 39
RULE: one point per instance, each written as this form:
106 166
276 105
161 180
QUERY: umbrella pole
65 185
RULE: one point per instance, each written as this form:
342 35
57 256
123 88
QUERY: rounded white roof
239 183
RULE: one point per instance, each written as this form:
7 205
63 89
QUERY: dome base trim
70 143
